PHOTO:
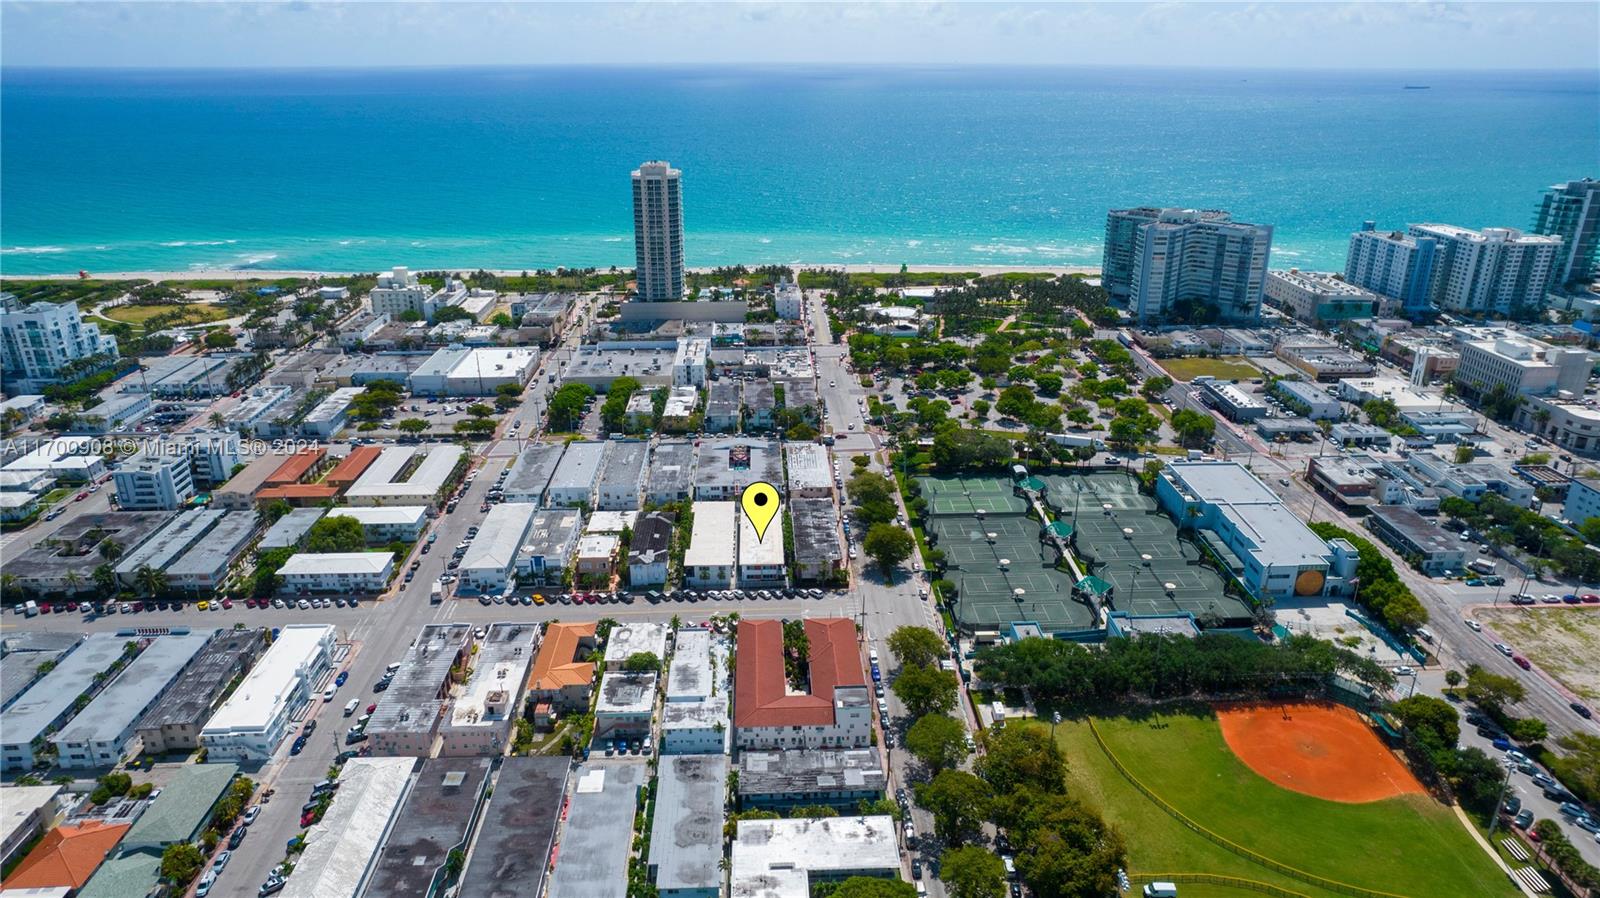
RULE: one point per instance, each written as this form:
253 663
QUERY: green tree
873 495
1064 850
917 646
221 339
149 580
1155 387
1193 428
642 662
939 741
959 802
873 887
926 690
1022 757
105 580
1434 717
888 545
180 862
412 425
973 872
336 533
479 410
1492 689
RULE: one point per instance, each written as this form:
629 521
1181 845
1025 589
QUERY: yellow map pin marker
760 504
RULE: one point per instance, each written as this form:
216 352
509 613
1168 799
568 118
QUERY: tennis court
1133 546
970 495
1002 570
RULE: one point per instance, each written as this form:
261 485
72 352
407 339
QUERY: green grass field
1408 846
1232 368
197 312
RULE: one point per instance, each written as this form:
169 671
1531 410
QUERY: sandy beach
235 274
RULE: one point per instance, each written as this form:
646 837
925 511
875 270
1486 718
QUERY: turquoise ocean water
528 168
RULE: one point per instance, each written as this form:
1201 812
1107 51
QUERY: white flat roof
336 563
808 466
711 541
340 848
381 515
53 695
18 803
611 521
775 858
264 691
759 551
631 638
499 537
119 706
424 483
598 545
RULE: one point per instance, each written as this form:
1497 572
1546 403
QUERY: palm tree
217 420
150 581
73 579
105 579
111 550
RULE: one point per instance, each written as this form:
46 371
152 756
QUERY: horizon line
758 65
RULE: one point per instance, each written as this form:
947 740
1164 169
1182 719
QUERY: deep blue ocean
528 168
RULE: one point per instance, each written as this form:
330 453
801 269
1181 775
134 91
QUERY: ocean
528 168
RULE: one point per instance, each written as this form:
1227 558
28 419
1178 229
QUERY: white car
1474 626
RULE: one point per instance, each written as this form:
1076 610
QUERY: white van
1161 890
351 706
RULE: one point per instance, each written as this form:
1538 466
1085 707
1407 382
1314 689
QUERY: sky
1394 35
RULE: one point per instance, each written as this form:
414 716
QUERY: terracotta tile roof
346 472
761 696
558 665
296 466
66 857
304 492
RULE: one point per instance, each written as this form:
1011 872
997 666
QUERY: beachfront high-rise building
1496 271
37 341
400 292
1392 264
1571 211
1189 264
658 231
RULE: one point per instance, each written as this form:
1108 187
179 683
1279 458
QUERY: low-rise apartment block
252 722
836 712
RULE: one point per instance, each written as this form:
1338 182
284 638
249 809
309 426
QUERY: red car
308 818
44 608
227 604
372 707
1590 598
1522 662
82 496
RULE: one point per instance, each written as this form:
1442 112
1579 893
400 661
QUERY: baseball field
1304 794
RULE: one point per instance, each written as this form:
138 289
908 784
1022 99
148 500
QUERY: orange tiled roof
346 471
761 692
558 665
66 857
303 492
296 466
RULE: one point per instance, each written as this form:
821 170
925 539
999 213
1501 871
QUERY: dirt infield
1325 751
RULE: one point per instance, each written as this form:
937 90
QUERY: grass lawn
198 313
1409 846
1231 368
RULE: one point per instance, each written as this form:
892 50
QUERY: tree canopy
336 533
917 646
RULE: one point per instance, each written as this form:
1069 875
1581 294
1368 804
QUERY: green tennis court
993 550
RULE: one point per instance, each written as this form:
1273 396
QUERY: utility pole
1499 802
